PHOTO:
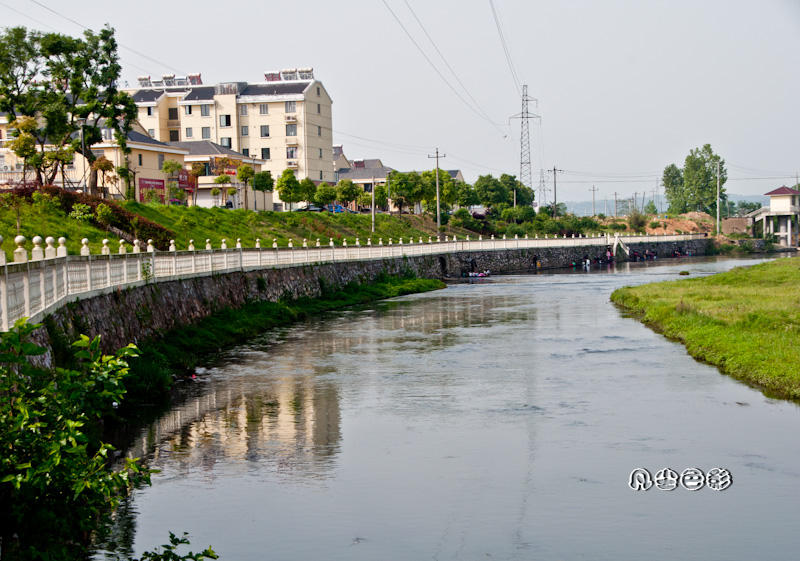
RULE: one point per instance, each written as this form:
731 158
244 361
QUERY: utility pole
718 230
615 204
593 190
438 206
542 189
555 194
373 203
605 207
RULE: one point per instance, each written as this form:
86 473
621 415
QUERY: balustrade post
4 288
37 253
20 254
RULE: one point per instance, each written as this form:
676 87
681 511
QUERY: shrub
655 224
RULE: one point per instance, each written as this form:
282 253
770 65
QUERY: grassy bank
746 321
178 351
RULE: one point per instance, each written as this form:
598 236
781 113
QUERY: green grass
745 321
179 351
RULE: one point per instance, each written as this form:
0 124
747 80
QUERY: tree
104 166
69 86
650 207
364 200
307 190
325 194
695 186
381 195
262 181
245 173
672 181
288 187
524 195
490 191
215 192
347 191
466 195
55 486
700 179
407 188
170 168
198 170
220 180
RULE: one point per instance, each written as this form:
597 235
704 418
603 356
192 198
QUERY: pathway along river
495 420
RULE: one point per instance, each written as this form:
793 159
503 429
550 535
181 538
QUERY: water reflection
498 420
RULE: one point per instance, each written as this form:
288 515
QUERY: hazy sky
624 88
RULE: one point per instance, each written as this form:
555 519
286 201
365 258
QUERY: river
494 420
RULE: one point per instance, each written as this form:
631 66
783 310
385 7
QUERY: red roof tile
783 191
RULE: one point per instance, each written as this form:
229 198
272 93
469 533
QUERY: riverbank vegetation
179 351
746 321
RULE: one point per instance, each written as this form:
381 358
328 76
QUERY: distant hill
584 208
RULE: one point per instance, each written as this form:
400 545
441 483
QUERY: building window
320 175
277 207
245 130
319 109
174 136
317 91
160 161
172 113
140 159
225 141
205 132
187 109
264 131
149 111
151 132
243 110
263 109
245 151
205 110
291 152
291 130
224 120
189 133
319 130
265 153
291 107
320 152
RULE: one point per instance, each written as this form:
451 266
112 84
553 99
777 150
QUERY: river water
494 420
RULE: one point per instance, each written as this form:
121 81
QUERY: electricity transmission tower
525 174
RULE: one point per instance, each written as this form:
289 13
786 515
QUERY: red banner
146 184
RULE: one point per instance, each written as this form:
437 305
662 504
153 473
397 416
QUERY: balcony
291 140
291 118
291 164
173 123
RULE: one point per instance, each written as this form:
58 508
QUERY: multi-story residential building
284 121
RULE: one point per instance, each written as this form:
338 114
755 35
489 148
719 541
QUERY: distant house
210 155
780 217
364 172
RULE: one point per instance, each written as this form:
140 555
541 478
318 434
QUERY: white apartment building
284 121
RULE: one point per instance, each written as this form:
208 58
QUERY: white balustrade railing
36 285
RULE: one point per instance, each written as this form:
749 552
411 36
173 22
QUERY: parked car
310 208
334 208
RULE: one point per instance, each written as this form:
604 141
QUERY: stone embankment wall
143 313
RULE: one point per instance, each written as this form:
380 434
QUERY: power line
56 30
449 85
448 65
505 46
151 59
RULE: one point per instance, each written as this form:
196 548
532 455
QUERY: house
212 157
780 217
284 121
